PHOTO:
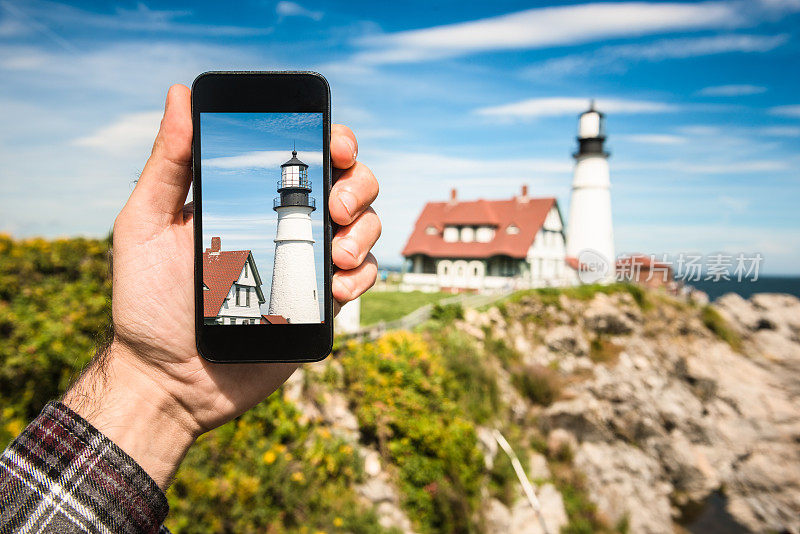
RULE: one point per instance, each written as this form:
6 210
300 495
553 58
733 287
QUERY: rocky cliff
667 415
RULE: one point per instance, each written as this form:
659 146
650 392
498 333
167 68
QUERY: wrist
119 397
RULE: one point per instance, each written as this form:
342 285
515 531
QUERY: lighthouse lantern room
293 293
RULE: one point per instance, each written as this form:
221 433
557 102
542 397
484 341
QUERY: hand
150 391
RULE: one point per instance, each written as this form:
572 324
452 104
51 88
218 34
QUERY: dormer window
431 230
512 229
451 234
484 234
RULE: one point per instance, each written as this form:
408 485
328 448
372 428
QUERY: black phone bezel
254 92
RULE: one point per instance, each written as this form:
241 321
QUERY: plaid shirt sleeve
62 475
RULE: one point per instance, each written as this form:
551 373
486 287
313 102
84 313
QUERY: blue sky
242 155
701 97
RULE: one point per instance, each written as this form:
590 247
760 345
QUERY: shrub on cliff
397 386
269 472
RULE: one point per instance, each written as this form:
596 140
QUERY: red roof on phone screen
220 271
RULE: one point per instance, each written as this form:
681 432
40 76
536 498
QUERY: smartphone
262 234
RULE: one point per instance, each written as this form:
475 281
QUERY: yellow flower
338 522
297 476
269 457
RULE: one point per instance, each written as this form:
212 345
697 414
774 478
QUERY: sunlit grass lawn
390 305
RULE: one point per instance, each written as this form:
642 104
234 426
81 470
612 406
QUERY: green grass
719 326
379 306
550 295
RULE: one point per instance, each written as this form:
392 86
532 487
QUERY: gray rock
537 467
524 520
625 482
567 340
603 316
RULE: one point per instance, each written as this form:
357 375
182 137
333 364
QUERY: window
246 268
247 297
512 229
484 234
233 320
315 294
431 230
238 296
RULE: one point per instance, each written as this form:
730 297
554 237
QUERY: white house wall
229 308
546 257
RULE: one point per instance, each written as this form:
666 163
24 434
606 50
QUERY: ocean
764 284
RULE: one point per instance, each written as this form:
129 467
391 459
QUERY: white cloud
702 46
556 106
779 131
260 159
292 9
654 139
544 27
786 111
692 167
40 16
733 90
734 204
616 58
130 132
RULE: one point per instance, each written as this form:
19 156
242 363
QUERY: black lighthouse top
294 185
591 133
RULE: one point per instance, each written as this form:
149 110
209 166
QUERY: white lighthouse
590 235
294 294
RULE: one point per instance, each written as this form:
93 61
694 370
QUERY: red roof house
487 244
232 291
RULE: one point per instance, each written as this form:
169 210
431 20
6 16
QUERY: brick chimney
453 195
216 245
524 195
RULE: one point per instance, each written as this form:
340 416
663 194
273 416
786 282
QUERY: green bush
54 308
470 382
447 313
397 386
539 384
267 471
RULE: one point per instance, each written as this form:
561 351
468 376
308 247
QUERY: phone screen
263 220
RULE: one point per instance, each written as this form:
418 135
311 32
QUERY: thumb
161 190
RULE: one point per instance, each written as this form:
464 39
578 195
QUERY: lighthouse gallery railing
276 203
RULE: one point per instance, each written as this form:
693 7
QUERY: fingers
344 147
349 285
164 183
352 193
352 243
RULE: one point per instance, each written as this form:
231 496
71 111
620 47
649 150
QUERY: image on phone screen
262 199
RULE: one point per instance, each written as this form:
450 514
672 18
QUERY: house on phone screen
231 287
487 245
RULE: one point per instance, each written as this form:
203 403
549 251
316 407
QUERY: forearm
130 407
